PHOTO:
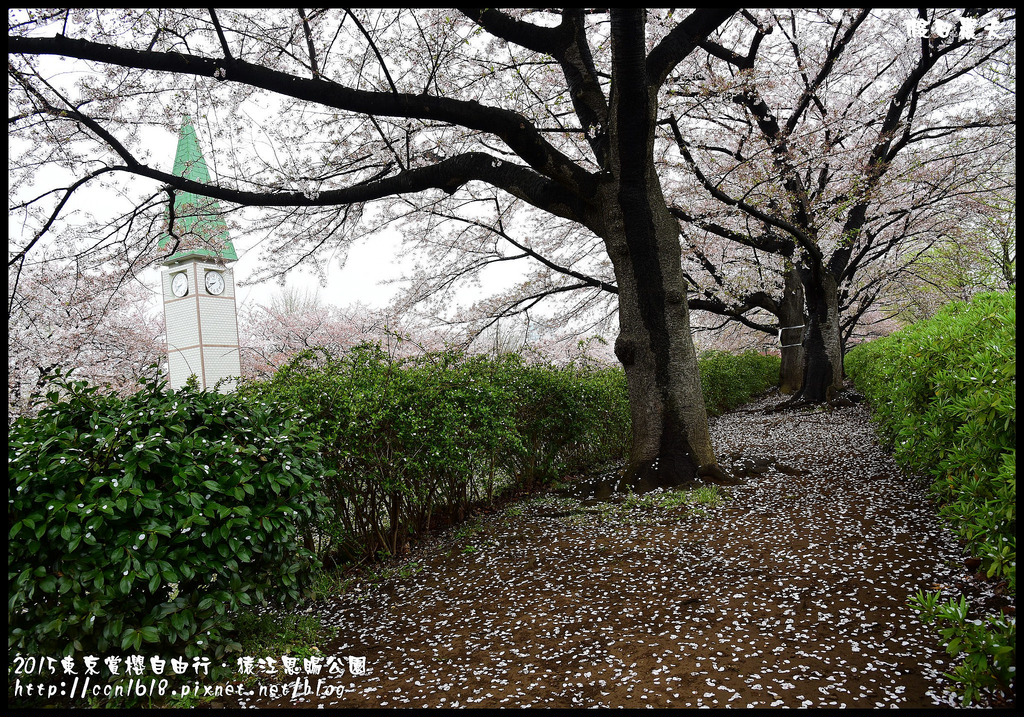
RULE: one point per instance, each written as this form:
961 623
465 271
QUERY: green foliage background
730 380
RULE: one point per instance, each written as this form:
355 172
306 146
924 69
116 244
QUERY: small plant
327 583
989 646
709 495
275 634
644 501
467 531
409 569
674 499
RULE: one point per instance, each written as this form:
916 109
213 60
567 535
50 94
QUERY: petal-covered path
791 593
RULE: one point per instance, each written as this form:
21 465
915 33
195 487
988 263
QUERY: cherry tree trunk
791 314
823 354
671 442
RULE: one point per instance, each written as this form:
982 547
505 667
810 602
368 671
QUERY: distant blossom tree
836 140
977 254
294 321
90 325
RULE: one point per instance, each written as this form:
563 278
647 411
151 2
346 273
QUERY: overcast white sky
370 263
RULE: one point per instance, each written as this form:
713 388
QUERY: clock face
214 282
179 284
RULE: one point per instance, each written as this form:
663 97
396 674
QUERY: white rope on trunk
786 328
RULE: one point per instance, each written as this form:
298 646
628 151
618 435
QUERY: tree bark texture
671 442
823 355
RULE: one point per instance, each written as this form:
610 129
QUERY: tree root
713 473
844 399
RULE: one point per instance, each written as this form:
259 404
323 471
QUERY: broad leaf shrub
406 438
944 394
989 646
567 419
415 437
145 523
730 380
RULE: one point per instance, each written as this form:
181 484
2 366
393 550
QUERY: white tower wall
201 328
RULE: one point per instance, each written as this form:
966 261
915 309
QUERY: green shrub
989 646
407 437
730 380
144 523
569 419
412 438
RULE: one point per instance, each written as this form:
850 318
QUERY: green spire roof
197 219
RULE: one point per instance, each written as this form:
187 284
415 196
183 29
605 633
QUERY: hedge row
414 438
944 393
730 380
147 523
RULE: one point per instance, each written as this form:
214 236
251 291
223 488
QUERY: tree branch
309 44
681 41
513 128
220 35
545 40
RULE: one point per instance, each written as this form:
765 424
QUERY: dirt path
792 593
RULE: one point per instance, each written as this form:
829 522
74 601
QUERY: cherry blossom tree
524 258
294 321
271 335
89 324
555 109
834 140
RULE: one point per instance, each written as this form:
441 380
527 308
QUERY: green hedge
143 523
412 438
567 420
730 380
944 394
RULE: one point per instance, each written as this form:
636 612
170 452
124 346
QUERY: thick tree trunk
792 321
671 442
823 354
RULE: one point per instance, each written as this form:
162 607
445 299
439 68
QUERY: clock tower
197 283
